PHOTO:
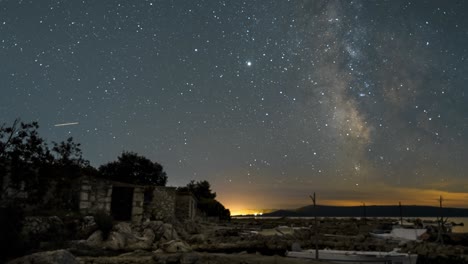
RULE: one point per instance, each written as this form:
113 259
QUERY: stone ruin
130 202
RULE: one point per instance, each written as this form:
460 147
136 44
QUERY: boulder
95 239
169 233
176 246
154 225
116 241
123 227
88 220
136 254
148 235
123 238
164 232
47 257
198 239
130 235
192 227
360 238
42 228
276 245
145 241
296 247
86 227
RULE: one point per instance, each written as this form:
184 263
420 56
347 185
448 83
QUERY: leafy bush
212 207
206 200
104 223
10 228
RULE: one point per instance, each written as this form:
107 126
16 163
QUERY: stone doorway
122 203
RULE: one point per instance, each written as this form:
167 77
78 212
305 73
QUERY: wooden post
315 226
440 223
401 213
365 214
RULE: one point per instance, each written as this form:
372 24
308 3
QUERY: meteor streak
66 124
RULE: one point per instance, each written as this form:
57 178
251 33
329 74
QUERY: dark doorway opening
122 201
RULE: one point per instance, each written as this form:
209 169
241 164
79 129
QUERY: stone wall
137 209
95 195
9 192
162 205
186 206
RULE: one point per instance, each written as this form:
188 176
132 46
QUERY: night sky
270 101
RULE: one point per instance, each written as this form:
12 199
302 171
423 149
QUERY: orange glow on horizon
386 196
255 212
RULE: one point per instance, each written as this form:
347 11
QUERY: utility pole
401 213
365 214
315 226
440 223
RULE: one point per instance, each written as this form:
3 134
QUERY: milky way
359 101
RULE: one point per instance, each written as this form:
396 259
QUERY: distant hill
371 211
283 213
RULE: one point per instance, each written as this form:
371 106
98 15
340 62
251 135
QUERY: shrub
104 223
11 219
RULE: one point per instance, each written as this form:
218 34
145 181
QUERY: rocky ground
238 241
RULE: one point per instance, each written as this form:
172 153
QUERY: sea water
455 229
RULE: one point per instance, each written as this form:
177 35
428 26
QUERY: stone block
137 218
138 196
84 196
137 210
84 205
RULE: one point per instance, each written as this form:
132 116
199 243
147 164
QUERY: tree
212 207
68 153
201 189
68 160
68 164
135 169
206 199
23 155
33 177
27 165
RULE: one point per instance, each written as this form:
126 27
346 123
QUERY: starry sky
270 101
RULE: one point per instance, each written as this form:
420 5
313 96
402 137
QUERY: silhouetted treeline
207 202
372 211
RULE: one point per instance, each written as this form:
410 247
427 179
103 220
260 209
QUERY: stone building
186 205
121 200
161 203
129 202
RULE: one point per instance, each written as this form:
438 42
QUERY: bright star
249 63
